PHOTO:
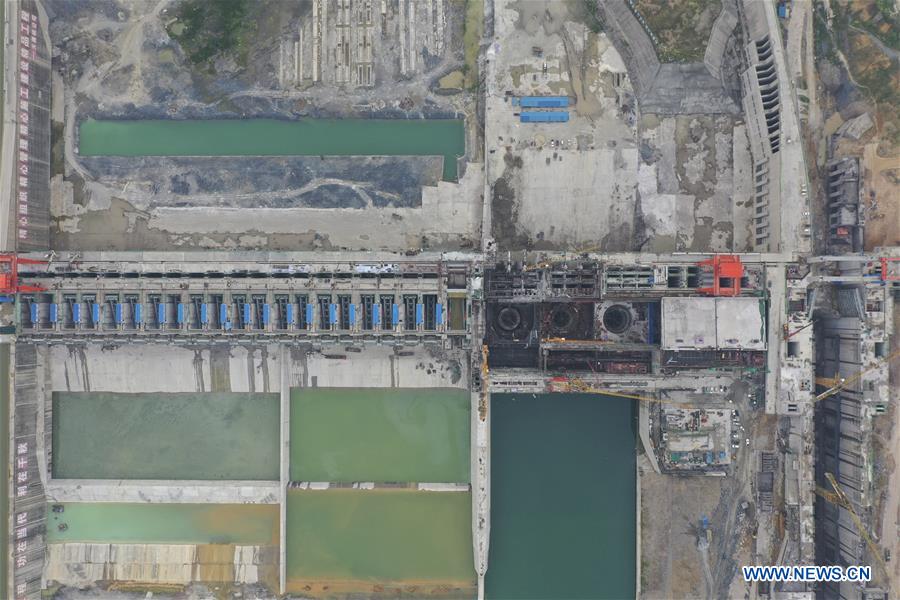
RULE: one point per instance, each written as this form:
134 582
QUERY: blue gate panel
204 313
310 315
420 313
352 315
290 313
53 310
332 314
246 314
266 310
180 313
223 314
33 312
118 311
76 312
544 117
544 101
161 313
138 314
395 315
95 313
439 313
376 315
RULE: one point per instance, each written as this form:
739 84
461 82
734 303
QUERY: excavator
837 497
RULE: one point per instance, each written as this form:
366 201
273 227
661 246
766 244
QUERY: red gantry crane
9 275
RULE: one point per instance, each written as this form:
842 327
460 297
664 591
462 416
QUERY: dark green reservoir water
272 137
4 455
562 497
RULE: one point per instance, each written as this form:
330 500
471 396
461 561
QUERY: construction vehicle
835 385
839 498
552 261
788 335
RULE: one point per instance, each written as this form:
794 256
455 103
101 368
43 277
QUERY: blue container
544 102
180 313
6 299
223 314
310 315
420 314
352 315
332 314
395 315
204 313
376 315
544 117
33 312
95 314
246 315
290 313
439 314
53 312
138 314
265 314
76 312
161 314
118 311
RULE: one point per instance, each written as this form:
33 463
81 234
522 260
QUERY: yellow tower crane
835 385
576 385
839 498
485 372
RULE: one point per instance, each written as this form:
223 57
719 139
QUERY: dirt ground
881 196
681 26
412 589
887 482
116 59
674 563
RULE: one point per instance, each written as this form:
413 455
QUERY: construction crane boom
837 384
839 498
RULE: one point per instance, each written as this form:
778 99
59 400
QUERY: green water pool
345 535
271 137
111 522
100 435
379 434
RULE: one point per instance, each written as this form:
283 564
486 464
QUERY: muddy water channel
112 522
271 137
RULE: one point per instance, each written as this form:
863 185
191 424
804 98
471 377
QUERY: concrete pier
481 489
285 466
161 492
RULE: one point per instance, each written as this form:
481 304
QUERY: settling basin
102 435
380 434
562 497
112 522
343 542
273 137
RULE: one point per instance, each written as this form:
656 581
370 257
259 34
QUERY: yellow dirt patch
410 588
453 80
